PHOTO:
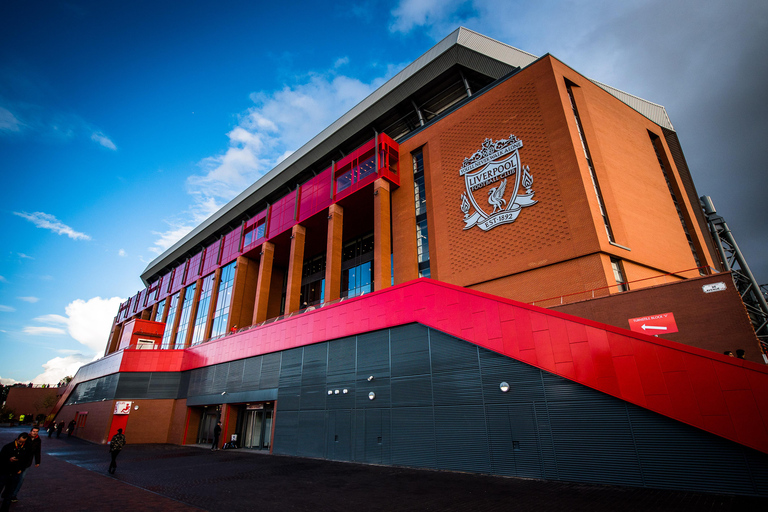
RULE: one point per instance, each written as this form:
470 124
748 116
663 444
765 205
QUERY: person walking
51 428
71 428
216 434
32 449
11 466
59 428
117 443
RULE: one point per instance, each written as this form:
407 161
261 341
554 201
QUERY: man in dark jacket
32 450
216 434
11 466
117 443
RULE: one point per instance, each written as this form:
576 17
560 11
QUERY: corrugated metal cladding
128 386
438 405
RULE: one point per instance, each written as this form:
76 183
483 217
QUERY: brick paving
73 477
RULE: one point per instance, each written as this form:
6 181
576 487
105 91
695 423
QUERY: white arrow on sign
658 328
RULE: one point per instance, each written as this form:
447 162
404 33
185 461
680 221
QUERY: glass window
260 229
345 177
248 238
422 241
313 281
201 319
420 204
186 311
160 309
221 314
357 280
170 320
618 275
367 165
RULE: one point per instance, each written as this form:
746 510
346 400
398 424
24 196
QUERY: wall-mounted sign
714 287
254 407
122 407
654 324
493 176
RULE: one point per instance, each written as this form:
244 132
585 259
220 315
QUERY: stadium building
491 264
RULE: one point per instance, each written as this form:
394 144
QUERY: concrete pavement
73 477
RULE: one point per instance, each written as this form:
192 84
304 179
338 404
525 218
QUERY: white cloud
3 280
37 330
103 140
434 13
8 121
121 253
31 300
48 221
90 321
52 319
343 61
6 309
6 381
24 256
276 125
60 367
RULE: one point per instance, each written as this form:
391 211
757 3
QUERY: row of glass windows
203 304
221 314
420 198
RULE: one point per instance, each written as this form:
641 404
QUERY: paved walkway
73 477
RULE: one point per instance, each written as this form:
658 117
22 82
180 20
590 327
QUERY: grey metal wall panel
413 391
270 370
221 371
132 385
339 435
410 351
313 397
461 439
252 373
235 376
342 356
286 439
413 437
163 385
380 387
311 434
373 354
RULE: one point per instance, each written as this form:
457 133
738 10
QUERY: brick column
333 253
295 266
243 294
153 314
193 314
382 235
212 305
264 280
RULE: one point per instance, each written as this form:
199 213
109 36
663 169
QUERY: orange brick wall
552 247
96 426
23 400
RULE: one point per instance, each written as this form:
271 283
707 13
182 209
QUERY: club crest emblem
493 176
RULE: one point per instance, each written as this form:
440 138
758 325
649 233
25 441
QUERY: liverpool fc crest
487 174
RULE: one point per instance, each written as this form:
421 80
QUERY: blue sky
124 125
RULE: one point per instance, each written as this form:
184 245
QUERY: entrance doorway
207 423
256 430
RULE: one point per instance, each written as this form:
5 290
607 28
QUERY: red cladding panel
211 259
231 248
282 214
193 270
165 283
178 277
315 195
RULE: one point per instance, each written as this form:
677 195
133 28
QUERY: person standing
117 443
216 434
71 428
11 466
59 428
32 450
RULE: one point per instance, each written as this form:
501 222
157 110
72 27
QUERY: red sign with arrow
654 324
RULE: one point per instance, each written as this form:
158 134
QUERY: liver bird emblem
495 197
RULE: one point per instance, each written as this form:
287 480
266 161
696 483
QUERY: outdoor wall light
135 407
371 395
504 387
370 378
330 391
223 393
345 391
335 391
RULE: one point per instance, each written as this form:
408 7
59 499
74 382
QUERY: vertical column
176 319
243 294
193 314
263 282
382 235
333 253
212 305
153 314
295 265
